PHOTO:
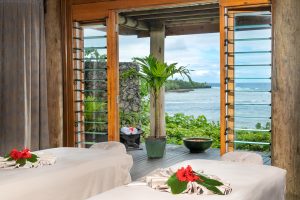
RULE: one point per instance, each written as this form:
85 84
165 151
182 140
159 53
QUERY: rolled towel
158 179
6 164
110 146
44 159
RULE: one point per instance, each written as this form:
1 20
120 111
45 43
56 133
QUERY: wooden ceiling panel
193 29
91 9
211 20
172 10
210 12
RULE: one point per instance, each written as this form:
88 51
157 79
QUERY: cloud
200 72
201 53
174 45
131 46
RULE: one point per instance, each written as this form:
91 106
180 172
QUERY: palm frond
156 73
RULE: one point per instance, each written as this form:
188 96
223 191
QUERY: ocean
207 102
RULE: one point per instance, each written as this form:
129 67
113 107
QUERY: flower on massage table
21 157
24 154
186 174
179 181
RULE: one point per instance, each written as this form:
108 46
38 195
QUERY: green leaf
33 158
176 186
211 188
10 159
21 162
209 181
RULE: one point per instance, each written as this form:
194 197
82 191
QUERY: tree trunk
157 39
286 92
156 101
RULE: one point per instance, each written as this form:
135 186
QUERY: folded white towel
6 164
44 159
158 180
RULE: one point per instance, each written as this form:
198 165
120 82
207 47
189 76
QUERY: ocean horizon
206 102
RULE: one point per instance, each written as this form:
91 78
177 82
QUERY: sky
201 53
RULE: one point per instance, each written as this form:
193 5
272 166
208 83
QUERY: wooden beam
192 29
187 22
172 10
232 3
222 84
68 109
252 8
286 93
123 30
185 30
191 18
113 76
133 23
99 10
204 13
54 71
76 2
157 48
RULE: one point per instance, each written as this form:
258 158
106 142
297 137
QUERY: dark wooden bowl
197 144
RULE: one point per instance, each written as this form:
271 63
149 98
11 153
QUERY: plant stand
131 142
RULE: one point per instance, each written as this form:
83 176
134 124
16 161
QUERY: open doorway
174 21
192 39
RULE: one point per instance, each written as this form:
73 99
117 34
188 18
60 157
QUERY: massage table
77 174
248 182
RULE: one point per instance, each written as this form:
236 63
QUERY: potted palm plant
155 74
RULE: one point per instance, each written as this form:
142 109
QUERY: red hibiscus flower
186 174
15 154
26 153
180 174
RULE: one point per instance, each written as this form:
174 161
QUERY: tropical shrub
180 126
155 74
94 111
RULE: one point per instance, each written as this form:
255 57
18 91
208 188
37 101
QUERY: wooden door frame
232 5
89 10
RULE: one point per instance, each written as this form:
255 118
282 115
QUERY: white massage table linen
78 174
249 182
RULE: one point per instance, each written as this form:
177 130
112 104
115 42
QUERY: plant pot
155 147
197 145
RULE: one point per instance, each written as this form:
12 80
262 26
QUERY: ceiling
190 19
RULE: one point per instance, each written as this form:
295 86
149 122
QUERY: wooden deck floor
174 154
